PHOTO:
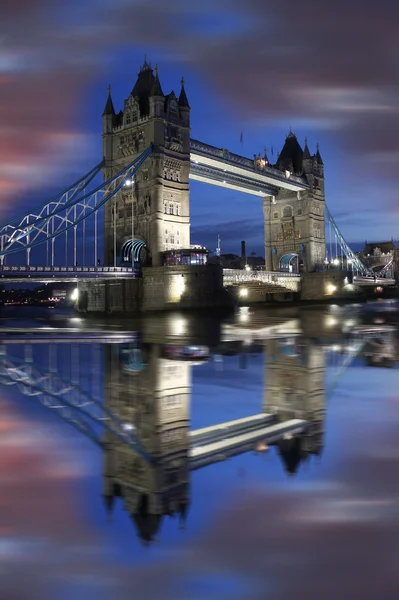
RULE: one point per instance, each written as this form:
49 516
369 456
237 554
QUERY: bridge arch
291 262
136 246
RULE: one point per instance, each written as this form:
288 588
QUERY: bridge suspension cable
57 218
351 257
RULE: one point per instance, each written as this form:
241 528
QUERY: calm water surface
109 490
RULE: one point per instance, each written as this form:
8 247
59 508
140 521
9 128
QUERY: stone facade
160 190
190 287
160 288
294 221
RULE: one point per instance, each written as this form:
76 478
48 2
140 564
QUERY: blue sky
256 67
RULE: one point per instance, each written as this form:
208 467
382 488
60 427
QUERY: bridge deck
218 166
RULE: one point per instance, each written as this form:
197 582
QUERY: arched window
287 211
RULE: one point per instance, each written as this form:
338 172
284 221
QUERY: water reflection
134 399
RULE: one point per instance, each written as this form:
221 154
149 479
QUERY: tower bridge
140 214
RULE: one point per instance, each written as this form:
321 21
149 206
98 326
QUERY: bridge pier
159 289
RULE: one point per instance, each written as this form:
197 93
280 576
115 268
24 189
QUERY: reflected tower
295 388
151 396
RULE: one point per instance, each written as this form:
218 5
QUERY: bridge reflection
134 399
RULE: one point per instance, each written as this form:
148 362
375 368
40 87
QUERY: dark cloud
324 67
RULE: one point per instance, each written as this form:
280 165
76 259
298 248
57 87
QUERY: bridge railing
27 270
267 276
290 281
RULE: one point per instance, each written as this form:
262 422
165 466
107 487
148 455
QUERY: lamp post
129 183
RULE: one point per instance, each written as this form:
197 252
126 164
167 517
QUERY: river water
109 488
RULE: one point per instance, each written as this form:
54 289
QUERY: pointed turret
290 157
265 156
109 105
143 86
183 101
318 156
156 89
306 153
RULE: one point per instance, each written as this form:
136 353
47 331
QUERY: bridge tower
295 389
294 221
160 190
151 396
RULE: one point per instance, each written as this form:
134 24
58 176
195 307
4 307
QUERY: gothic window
165 208
134 115
172 237
287 211
275 215
128 119
178 209
317 232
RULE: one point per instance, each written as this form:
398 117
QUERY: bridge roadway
15 274
275 280
218 166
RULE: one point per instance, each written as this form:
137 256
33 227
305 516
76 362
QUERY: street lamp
129 183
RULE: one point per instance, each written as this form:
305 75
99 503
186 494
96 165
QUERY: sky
328 70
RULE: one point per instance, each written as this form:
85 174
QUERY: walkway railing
63 271
242 275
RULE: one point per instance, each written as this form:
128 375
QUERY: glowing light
128 427
331 288
331 321
336 261
75 295
247 268
288 174
243 292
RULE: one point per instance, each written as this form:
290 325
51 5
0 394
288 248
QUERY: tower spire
109 106
183 101
306 153
156 89
318 155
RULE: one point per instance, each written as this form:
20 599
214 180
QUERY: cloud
326 67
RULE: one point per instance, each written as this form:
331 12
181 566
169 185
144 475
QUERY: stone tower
151 396
294 221
160 190
295 389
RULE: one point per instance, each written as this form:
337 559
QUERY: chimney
243 252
